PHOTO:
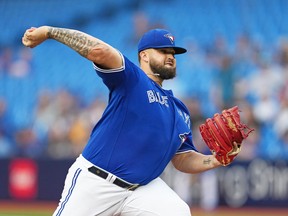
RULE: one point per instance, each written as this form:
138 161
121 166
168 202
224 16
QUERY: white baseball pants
86 194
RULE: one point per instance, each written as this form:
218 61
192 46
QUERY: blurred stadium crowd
50 97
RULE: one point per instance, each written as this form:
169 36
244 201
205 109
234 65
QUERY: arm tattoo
76 40
207 161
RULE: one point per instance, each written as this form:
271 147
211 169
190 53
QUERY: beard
164 72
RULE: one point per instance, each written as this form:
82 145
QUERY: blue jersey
141 129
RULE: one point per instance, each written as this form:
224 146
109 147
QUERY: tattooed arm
87 46
194 162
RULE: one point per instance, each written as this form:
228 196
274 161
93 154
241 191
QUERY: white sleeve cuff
114 70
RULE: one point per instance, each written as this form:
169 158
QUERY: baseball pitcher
143 128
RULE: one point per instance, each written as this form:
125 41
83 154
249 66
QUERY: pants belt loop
111 178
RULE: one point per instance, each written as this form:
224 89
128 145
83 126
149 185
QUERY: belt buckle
132 187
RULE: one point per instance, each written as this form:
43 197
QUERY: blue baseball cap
159 38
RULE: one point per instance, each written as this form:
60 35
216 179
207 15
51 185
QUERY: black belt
119 182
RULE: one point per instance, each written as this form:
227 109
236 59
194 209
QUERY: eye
162 51
167 51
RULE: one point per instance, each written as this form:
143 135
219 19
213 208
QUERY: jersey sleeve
114 78
187 144
111 77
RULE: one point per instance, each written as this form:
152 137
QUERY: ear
144 56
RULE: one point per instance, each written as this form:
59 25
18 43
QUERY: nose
171 56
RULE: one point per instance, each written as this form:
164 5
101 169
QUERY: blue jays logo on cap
159 38
171 37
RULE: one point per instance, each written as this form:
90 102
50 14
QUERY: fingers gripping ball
224 134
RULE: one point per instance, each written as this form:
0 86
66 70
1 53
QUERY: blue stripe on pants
76 174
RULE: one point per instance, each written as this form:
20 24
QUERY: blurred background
50 97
